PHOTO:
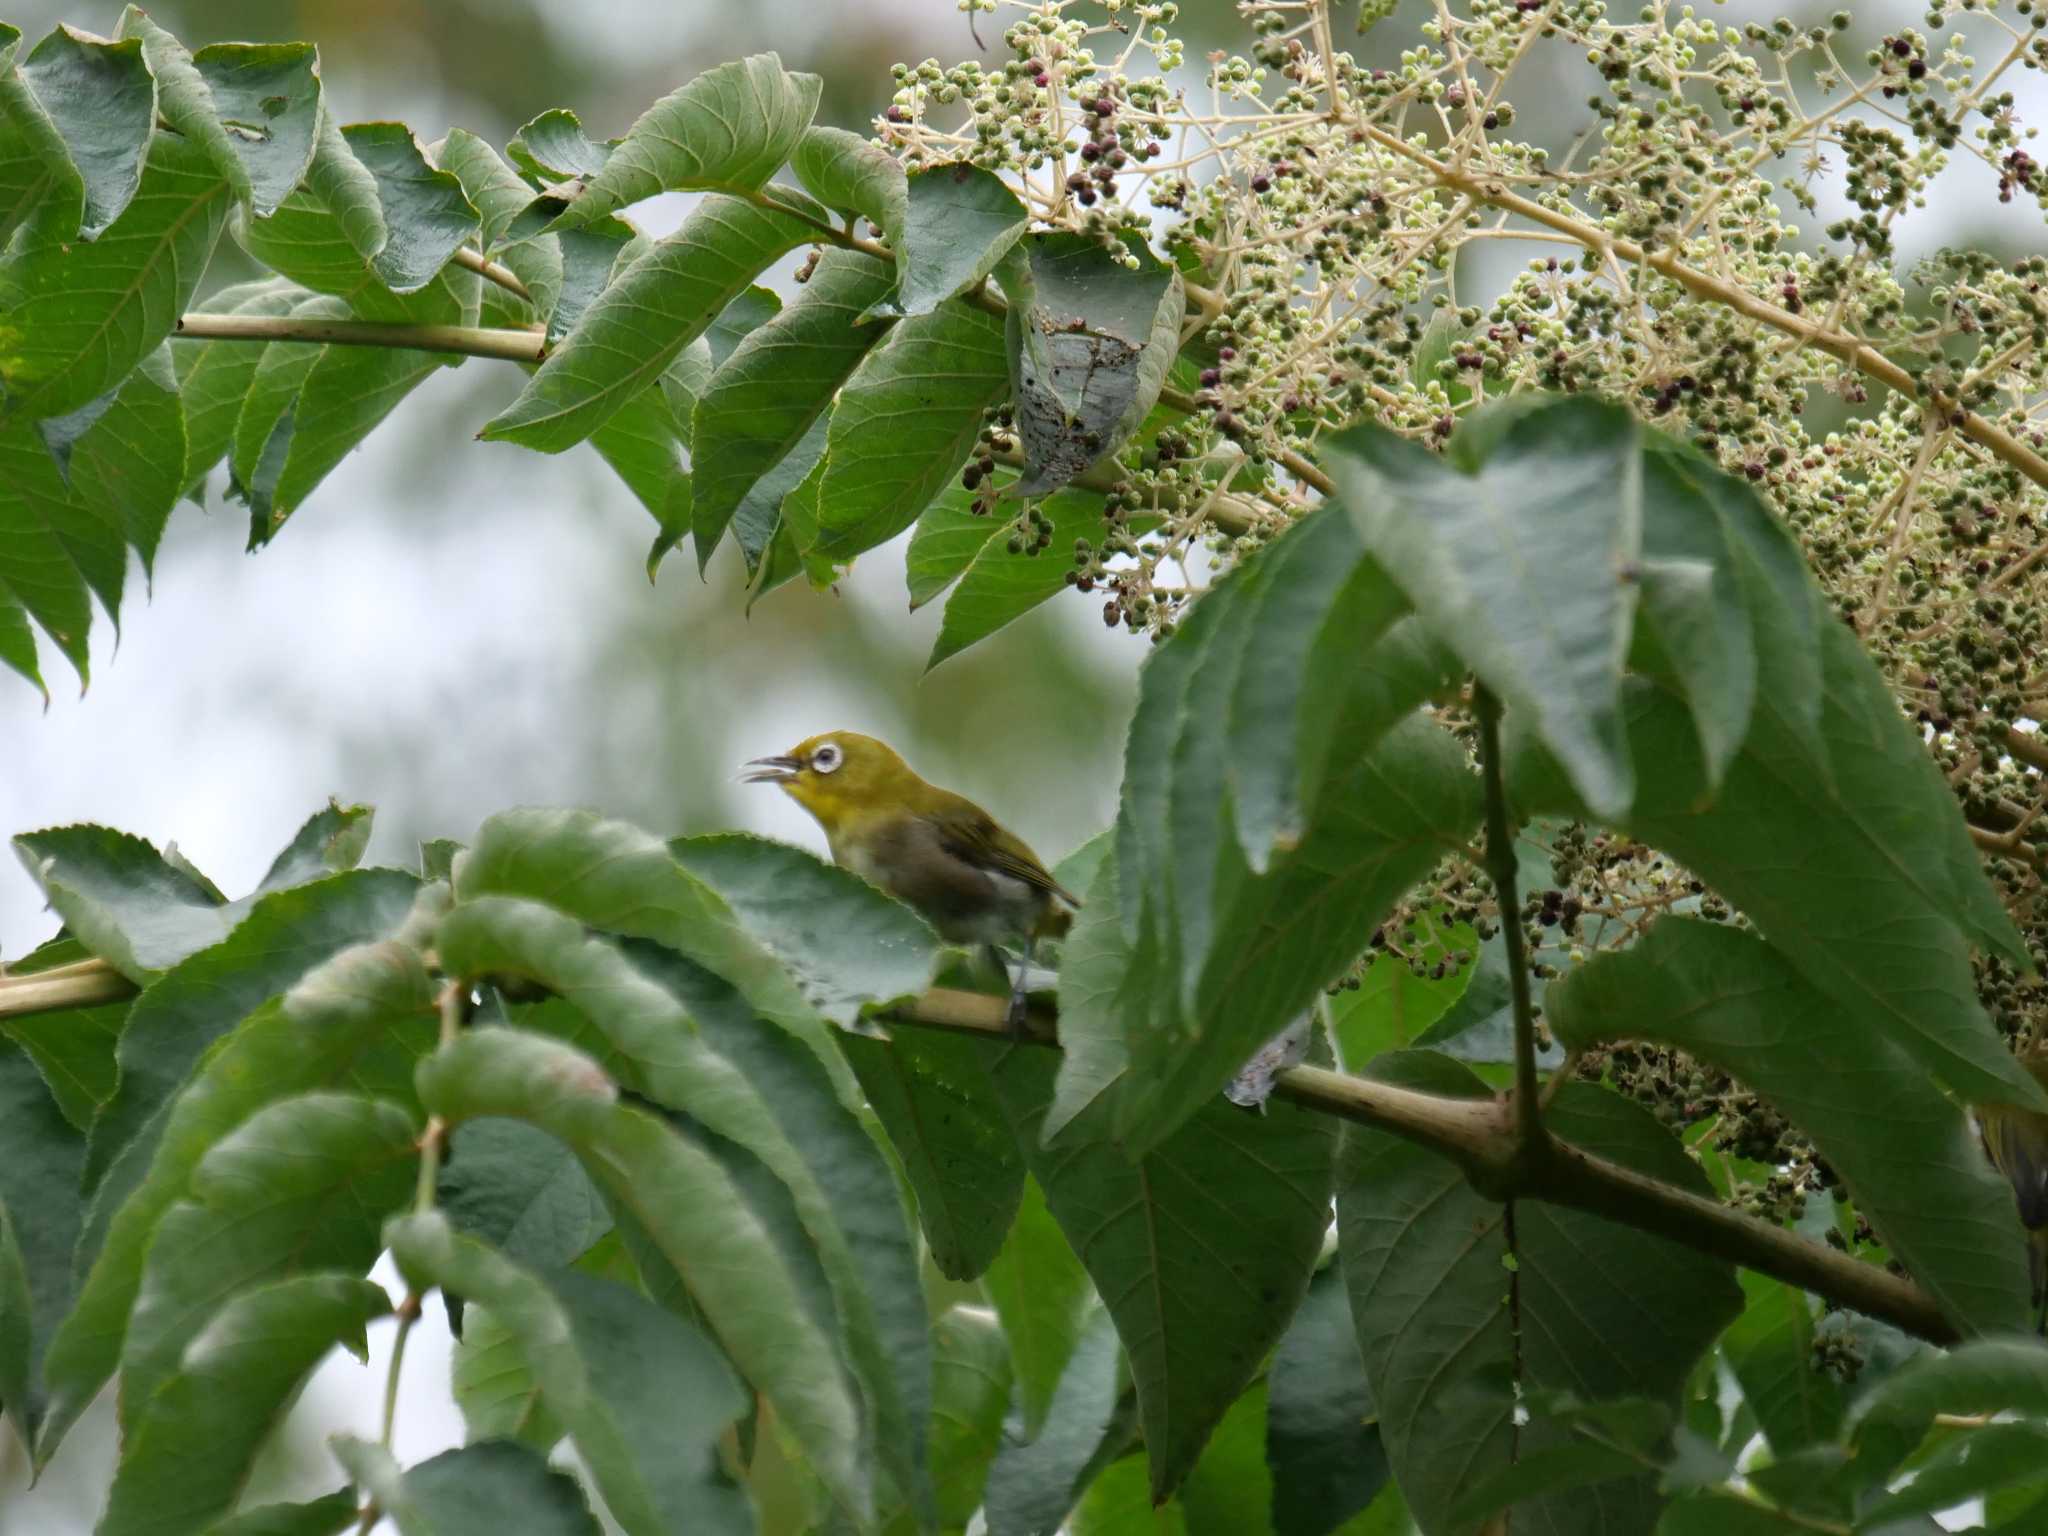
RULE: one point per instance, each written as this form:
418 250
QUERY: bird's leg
1019 993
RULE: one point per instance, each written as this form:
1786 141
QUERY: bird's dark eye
827 757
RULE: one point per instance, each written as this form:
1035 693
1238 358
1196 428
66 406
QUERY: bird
2016 1141
975 881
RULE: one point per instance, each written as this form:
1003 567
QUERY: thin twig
1500 866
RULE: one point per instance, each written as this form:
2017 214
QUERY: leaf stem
492 271
469 340
1501 867
1473 1133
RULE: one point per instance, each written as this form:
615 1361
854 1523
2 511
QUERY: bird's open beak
771 770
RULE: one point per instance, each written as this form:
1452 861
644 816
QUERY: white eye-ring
826 756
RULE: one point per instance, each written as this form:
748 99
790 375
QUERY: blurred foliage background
452 627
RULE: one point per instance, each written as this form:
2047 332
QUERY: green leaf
728 130
215 376
73 1048
1903 1148
331 840
75 319
328 1516
932 1094
642 444
970 1392
590 259
498 195
960 221
1525 563
421 213
554 147
303 1184
1978 1462
645 1397
1317 616
1770 1349
1543 1474
254 107
949 534
778 380
40 1157
854 175
522 1192
873 1268
282 937
491 1383
1875 912
129 466
1201 1248
1089 341
194 1441
633 330
618 878
1981 1376
119 896
1042 1295
1095 964
686 1202
1425 1258
904 424
1380 823
846 944
1000 586
1322 1441
1033 1484
480 1490
99 99
357 1022
348 390
50 543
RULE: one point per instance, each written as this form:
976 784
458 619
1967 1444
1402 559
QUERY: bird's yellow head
840 776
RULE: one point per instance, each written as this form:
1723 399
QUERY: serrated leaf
1034 1483
1904 1149
728 130
590 259
1525 562
1322 1441
554 147
1770 1350
99 98
933 1096
776 383
1201 1248
192 1445
855 175
1424 1258
214 376
73 1048
254 107
960 220
686 1203
645 1397
1042 1295
52 547
847 945
1886 934
328 1516
904 424
119 896
266 946
359 1021
1089 343
1000 587
480 1490
129 465
498 195
303 1184
522 1192
40 1157
75 319
650 311
949 534
1981 1376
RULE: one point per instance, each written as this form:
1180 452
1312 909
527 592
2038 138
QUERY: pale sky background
450 627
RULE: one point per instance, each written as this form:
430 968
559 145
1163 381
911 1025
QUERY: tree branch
1477 1134
469 340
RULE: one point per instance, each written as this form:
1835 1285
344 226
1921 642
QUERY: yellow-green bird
970 877
2017 1143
